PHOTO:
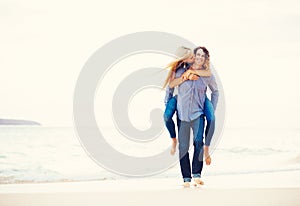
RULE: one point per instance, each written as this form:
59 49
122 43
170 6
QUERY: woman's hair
182 54
207 62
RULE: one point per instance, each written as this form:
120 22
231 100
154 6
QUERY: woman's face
200 57
190 59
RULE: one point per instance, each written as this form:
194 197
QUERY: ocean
33 154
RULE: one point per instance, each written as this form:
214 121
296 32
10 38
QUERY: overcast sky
254 45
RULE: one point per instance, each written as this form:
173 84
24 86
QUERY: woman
185 58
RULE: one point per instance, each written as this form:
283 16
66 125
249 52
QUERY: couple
191 74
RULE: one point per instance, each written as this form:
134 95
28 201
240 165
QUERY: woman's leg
210 128
169 112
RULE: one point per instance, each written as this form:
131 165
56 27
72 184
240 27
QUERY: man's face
200 57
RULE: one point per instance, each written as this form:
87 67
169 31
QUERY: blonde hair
182 53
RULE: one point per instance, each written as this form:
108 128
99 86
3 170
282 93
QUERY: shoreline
258 175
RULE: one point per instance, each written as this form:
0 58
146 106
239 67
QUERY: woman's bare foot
174 144
206 155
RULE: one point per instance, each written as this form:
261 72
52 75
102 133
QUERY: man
190 107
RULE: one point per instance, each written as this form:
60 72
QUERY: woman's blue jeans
209 113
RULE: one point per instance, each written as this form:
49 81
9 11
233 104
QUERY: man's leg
197 165
184 142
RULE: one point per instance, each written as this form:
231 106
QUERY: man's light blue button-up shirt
191 95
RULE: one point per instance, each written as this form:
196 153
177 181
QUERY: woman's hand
193 77
189 75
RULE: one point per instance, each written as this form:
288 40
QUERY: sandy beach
280 188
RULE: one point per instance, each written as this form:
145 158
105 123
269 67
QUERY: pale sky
254 46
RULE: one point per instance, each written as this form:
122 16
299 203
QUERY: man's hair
203 49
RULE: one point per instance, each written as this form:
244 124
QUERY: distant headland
17 122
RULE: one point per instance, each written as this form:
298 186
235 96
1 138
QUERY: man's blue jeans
197 127
171 108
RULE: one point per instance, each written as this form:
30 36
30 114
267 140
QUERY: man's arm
214 92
